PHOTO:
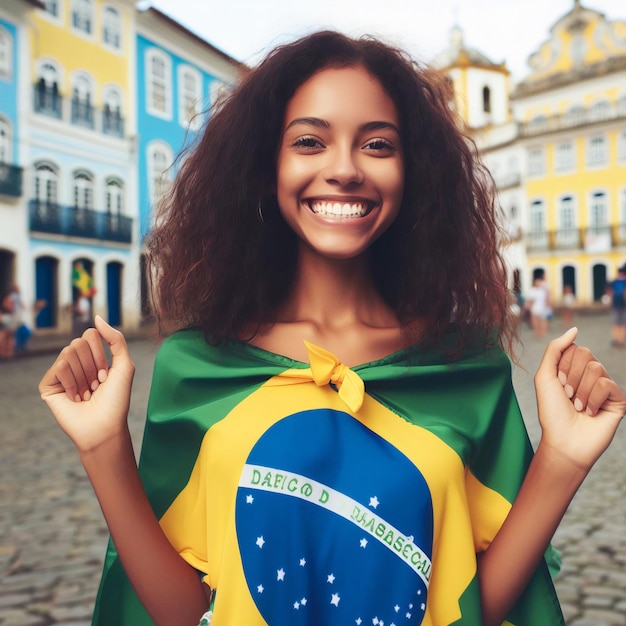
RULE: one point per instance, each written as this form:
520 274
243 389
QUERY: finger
94 339
594 371
64 375
566 362
580 359
554 352
604 389
73 355
117 345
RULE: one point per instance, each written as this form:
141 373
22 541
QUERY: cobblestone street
52 536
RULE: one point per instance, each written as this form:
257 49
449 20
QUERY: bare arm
90 402
580 408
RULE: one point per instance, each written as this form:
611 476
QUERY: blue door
114 293
46 291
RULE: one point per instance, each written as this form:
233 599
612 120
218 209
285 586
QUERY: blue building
179 76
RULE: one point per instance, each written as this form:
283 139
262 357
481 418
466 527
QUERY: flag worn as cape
295 487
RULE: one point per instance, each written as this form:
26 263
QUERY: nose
343 167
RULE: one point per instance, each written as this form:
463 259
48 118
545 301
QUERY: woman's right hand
88 398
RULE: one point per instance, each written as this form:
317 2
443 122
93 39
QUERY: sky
505 30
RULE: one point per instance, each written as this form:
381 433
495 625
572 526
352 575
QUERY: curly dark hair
215 265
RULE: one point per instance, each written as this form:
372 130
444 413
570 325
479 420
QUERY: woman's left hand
580 407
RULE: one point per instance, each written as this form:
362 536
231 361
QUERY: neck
335 292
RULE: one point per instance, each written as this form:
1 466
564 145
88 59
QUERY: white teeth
338 209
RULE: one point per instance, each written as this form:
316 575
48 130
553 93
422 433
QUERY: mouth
340 210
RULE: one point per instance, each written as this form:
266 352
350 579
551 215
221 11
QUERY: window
82 190
598 211
600 111
6 141
486 99
6 54
537 217
538 124
82 16
621 146
46 183
567 216
114 196
112 120
536 161
621 106
574 116
567 234
111 28
160 159
565 157
82 101
597 153
159 84
52 7
189 96
48 101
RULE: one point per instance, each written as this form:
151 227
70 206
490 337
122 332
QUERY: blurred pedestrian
538 303
617 292
567 306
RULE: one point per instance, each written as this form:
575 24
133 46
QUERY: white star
260 541
375 621
363 543
396 608
358 621
422 606
411 605
374 502
330 578
302 562
280 574
408 615
419 592
260 588
249 499
335 599
303 601
296 605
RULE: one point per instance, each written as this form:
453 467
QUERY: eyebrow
320 123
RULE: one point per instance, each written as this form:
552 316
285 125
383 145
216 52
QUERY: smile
339 210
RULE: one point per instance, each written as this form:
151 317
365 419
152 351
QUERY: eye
379 145
307 143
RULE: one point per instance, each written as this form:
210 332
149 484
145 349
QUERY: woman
332 408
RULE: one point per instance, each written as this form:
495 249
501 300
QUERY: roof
457 53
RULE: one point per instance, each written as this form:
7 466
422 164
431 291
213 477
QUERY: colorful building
81 181
14 63
572 125
179 76
556 146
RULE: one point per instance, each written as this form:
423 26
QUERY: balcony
592 240
82 113
48 101
48 217
572 119
11 180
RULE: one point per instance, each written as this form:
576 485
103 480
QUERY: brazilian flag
311 493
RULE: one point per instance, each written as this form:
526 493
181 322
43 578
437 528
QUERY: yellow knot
326 368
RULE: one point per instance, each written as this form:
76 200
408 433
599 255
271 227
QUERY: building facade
97 97
555 144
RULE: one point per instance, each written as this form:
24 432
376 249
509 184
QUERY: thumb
116 342
554 351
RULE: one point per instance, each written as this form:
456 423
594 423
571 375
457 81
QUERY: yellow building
572 125
556 146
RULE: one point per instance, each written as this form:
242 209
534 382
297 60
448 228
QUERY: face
340 173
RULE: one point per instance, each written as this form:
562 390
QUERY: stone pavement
52 536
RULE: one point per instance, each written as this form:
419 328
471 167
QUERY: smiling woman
278 478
